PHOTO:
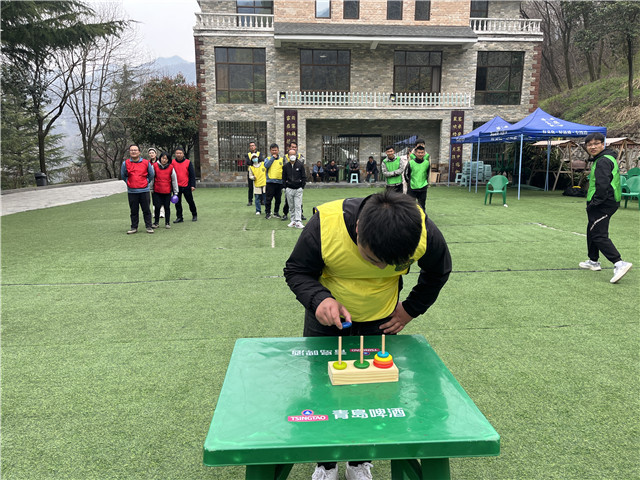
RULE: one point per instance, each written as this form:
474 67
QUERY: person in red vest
165 183
186 184
137 173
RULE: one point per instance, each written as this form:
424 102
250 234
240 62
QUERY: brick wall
373 12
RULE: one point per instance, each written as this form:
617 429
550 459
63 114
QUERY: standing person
165 183
371 169
603 199
349 262
294 180
153 159
318 172
273 164
392 170
416 174
293 145
186 184
253 150
137 173
258 173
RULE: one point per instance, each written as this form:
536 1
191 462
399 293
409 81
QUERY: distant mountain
172 66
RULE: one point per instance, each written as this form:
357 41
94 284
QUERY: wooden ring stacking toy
353 372
364 364
339 365
384 362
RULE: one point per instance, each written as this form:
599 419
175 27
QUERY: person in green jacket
603 199
392 169
416 173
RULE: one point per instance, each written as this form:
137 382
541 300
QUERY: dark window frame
318 2
222 64
479 9
424 11
435 66
318 65
512 95
355 4
393 8
254 8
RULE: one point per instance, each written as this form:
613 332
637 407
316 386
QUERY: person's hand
193 188
329 311
399 318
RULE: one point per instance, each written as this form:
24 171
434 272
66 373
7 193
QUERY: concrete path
51 196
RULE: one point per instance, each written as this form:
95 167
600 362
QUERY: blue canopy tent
536 126
495 125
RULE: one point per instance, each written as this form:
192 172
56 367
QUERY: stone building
346 78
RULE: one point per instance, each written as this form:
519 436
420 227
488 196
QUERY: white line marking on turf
273 239
557 229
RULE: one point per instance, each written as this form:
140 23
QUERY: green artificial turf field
114 347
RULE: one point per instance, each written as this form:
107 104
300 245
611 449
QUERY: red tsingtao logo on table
307 416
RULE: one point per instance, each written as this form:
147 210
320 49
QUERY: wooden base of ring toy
352 375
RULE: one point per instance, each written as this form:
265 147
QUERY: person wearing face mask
258 174
165 183
285 210
273 164
294 179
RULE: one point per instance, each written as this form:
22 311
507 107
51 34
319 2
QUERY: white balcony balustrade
506 26
234 21
373 100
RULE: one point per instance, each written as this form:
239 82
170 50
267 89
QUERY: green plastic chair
634 172
623 184
633 185
498 184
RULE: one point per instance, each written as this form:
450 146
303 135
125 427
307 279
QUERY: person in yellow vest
392 169
274 164
416 173
258 174
349 262
603 199
253 150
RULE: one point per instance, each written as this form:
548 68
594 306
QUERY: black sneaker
249 204
267 217
155 225
275 215
284 218
303 217
195 218
178 220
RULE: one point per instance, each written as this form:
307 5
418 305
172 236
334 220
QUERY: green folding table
277 407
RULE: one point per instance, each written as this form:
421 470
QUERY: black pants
274 190
137 201
188 196
250 190
313 328
318 177
598 240
161 200
395 188
420 196
369 174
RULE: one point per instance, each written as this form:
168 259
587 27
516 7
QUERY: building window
394 10
479 9
325 70
341 148
323 9
499 78
255 7
351 9
233 143
423 10
417 71
240 75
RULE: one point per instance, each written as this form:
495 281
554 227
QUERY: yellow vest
275 169
368 292
260 173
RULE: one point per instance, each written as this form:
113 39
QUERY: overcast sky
165 26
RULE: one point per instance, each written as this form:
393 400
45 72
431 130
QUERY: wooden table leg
268 472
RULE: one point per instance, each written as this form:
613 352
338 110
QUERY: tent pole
470 163
546 181
520 167
477 163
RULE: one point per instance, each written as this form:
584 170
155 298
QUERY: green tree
166 114
34 34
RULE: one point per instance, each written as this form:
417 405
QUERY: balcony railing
234 21
508 26
373 100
